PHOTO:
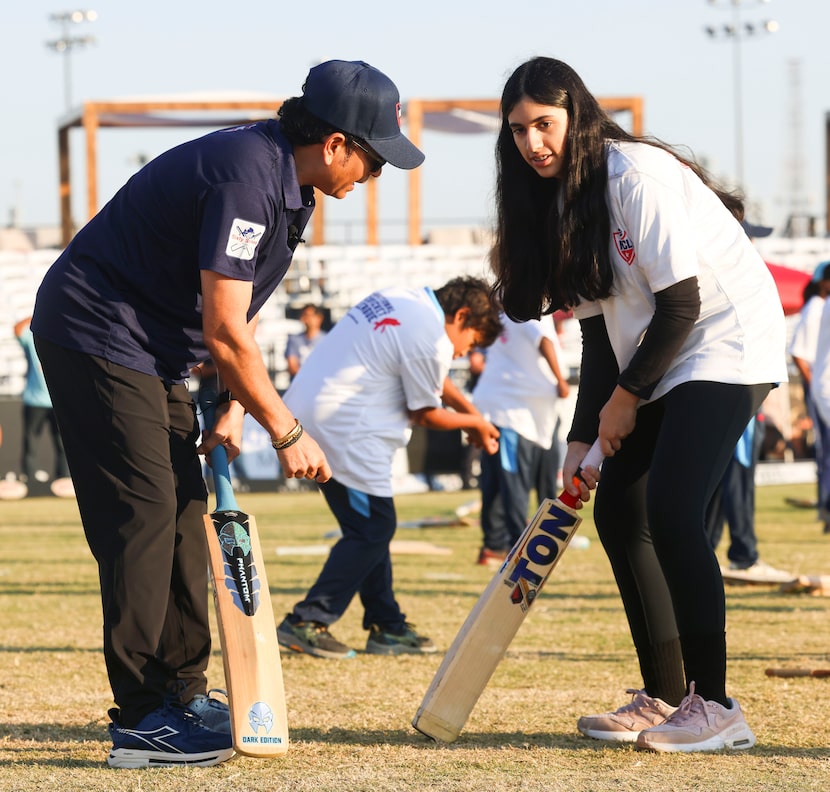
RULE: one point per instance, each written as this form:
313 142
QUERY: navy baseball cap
756 230
358 99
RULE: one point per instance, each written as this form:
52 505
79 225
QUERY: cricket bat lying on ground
817 585
819 673
247 631
496 617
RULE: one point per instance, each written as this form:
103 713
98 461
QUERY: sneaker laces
173 702
691 708
211 701
636 703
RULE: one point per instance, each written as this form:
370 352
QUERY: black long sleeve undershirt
676 311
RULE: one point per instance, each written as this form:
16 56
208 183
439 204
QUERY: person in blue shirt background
38 415
733 503
300 345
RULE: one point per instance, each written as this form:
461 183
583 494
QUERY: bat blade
493 622
495 619
247 628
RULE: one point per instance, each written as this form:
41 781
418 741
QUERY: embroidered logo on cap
243 239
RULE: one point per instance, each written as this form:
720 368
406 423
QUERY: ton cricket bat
247 631
494 620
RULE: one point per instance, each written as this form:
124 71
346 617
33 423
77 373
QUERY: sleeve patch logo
625 247
243 239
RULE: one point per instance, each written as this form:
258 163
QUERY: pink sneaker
699 725
626 723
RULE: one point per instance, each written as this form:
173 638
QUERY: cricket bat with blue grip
495 619
247 629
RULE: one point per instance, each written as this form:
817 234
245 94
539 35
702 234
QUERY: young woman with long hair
683 337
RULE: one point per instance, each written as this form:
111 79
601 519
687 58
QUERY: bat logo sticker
261 716
240 571
233 536
532 563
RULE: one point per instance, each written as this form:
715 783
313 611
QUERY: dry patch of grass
350 720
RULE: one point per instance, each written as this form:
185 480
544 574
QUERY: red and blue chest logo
625 247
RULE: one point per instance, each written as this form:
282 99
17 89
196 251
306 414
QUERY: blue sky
431 49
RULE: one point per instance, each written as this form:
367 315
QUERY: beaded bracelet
288 440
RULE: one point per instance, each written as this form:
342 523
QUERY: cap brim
756 230
398 152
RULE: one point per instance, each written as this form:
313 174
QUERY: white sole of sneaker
131 758
738 738
735 578
609 736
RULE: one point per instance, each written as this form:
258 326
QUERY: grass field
350 720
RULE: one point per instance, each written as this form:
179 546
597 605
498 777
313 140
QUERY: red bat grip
593 458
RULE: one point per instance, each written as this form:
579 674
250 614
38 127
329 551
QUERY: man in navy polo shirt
172 271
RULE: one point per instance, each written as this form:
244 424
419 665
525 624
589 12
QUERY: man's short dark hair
301 127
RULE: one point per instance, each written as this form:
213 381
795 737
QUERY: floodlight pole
738 32
66 43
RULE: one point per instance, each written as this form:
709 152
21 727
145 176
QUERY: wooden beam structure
138 113
421 114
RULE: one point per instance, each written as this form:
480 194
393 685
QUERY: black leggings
649 512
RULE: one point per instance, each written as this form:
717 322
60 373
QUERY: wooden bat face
497 615
493 622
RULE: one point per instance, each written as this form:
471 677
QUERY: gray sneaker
214 713
312 638
626 723
405 641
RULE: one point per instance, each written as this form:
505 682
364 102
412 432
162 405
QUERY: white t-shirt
389 354
517 389
667 226
805 336
820 383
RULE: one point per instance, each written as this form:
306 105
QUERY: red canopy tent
790 283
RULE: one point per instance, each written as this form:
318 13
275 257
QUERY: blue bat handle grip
225 499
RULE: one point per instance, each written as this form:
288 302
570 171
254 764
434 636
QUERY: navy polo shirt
127 288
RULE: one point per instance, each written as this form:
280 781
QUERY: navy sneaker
170 735
213 712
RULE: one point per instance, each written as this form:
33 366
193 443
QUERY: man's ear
333 145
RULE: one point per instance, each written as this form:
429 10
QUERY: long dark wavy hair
552 234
